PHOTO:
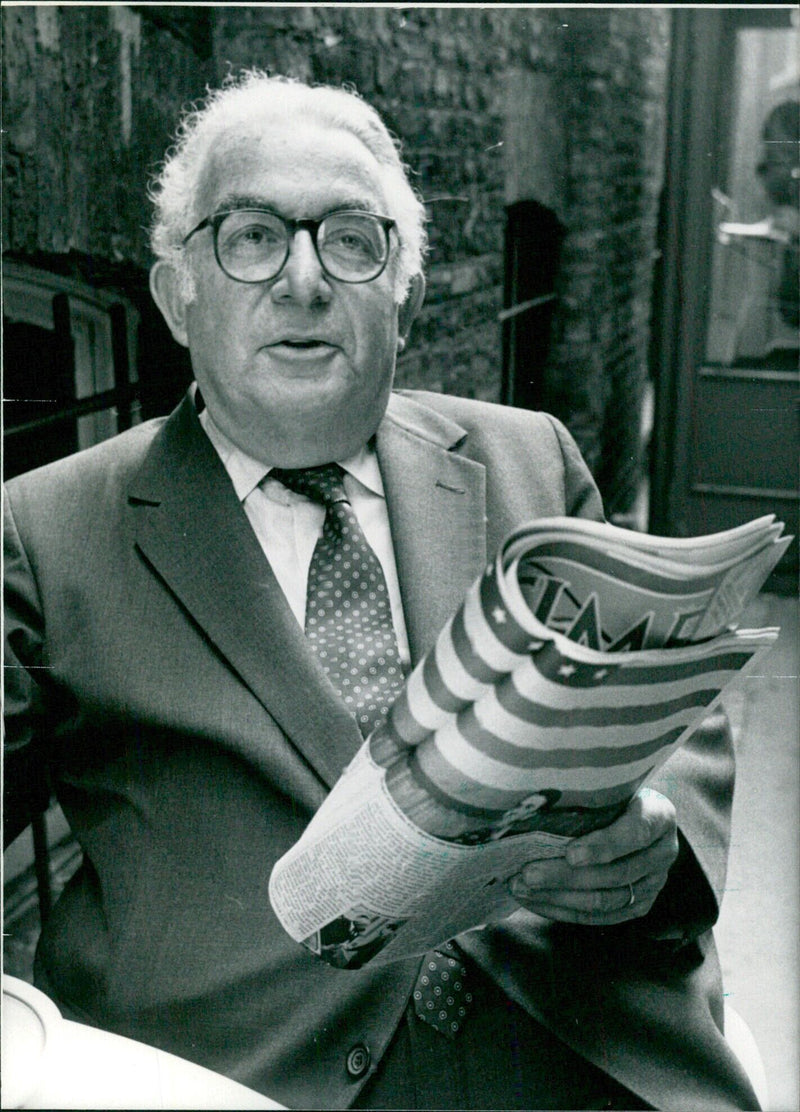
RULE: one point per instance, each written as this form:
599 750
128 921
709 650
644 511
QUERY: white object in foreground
51 1062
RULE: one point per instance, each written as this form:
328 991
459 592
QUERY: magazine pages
579 661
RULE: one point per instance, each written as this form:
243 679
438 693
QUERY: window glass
754 281
46 373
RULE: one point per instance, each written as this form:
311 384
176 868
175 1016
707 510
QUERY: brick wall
90 98
614 78
92 94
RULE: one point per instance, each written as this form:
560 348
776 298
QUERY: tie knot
321 484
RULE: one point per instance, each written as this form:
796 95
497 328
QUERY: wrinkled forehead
300 167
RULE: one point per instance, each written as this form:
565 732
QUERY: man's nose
302 279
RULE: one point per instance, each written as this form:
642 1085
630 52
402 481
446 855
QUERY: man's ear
166 288
410 307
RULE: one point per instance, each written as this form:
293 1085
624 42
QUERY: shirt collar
247 473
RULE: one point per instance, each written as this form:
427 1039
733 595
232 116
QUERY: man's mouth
302 343
298 349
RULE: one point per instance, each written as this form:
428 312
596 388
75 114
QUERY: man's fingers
648 818
609 876
557 872
600 907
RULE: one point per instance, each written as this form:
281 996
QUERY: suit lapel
194 532
437 508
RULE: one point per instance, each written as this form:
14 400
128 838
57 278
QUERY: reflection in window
754 290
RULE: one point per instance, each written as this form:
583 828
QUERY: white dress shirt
288 525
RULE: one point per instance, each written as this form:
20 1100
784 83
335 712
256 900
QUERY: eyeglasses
252 245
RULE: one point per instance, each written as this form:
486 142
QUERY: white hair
237 104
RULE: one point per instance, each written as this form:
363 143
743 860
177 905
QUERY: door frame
698 112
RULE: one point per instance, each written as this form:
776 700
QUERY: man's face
297 370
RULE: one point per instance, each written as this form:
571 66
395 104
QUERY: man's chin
310 431
328 441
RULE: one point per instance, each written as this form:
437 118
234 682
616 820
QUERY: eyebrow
233 201
240 201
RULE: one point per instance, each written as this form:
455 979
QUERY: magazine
578 662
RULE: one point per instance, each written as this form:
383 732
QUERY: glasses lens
251 245
353 246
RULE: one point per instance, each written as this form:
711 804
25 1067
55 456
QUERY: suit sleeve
581 496
25 782
698 779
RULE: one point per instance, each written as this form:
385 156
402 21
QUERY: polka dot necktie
349 625
348 614
440 993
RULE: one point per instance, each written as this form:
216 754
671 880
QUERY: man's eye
350 240
354 243
252 236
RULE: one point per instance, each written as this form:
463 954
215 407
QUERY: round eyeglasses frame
216 220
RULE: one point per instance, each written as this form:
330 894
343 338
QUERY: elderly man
175 673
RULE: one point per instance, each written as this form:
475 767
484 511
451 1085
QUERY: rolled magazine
578 662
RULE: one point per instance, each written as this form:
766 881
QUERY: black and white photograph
401 423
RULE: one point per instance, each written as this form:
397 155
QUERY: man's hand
610 875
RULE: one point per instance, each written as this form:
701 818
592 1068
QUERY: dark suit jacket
155 669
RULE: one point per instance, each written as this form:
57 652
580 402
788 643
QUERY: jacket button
358 1060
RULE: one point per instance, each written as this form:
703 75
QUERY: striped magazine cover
508 721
